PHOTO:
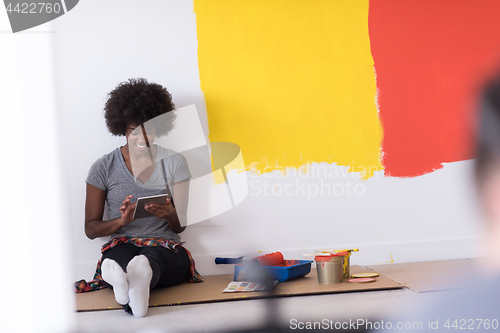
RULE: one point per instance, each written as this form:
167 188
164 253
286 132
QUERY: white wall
101 43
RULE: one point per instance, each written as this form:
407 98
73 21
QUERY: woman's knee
122 254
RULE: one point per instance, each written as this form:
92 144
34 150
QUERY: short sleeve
97 175
180 168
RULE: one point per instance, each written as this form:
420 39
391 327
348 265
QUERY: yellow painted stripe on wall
291 82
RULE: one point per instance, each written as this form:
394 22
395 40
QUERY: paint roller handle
228 261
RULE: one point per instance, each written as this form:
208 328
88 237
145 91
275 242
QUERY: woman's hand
165 211
127 210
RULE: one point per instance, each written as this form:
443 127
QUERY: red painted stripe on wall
430 57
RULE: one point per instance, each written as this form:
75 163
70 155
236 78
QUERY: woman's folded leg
114 263
169 268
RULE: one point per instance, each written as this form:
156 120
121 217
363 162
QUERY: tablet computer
140 212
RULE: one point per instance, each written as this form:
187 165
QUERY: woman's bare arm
94 211
181 199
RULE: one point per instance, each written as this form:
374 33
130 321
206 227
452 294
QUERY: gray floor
219 317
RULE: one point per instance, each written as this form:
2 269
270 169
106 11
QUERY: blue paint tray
286 271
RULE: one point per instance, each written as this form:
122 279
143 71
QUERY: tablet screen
140 212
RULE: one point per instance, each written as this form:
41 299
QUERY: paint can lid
365 275
361 280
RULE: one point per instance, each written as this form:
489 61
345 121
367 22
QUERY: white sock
139 275
113 274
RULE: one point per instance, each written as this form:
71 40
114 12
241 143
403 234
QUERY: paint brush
270 259
316 254
148 145
229 261
333 250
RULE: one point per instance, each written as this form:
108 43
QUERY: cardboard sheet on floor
211 291
430 275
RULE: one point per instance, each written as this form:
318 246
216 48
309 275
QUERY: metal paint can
347 258
330 269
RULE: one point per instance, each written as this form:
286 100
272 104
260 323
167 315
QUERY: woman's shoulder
99 171
163 152
169 155
107 159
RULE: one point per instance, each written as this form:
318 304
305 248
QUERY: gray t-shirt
110 173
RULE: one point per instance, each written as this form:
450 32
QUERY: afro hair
134 102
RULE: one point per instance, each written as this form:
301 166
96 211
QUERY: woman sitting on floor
142 253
